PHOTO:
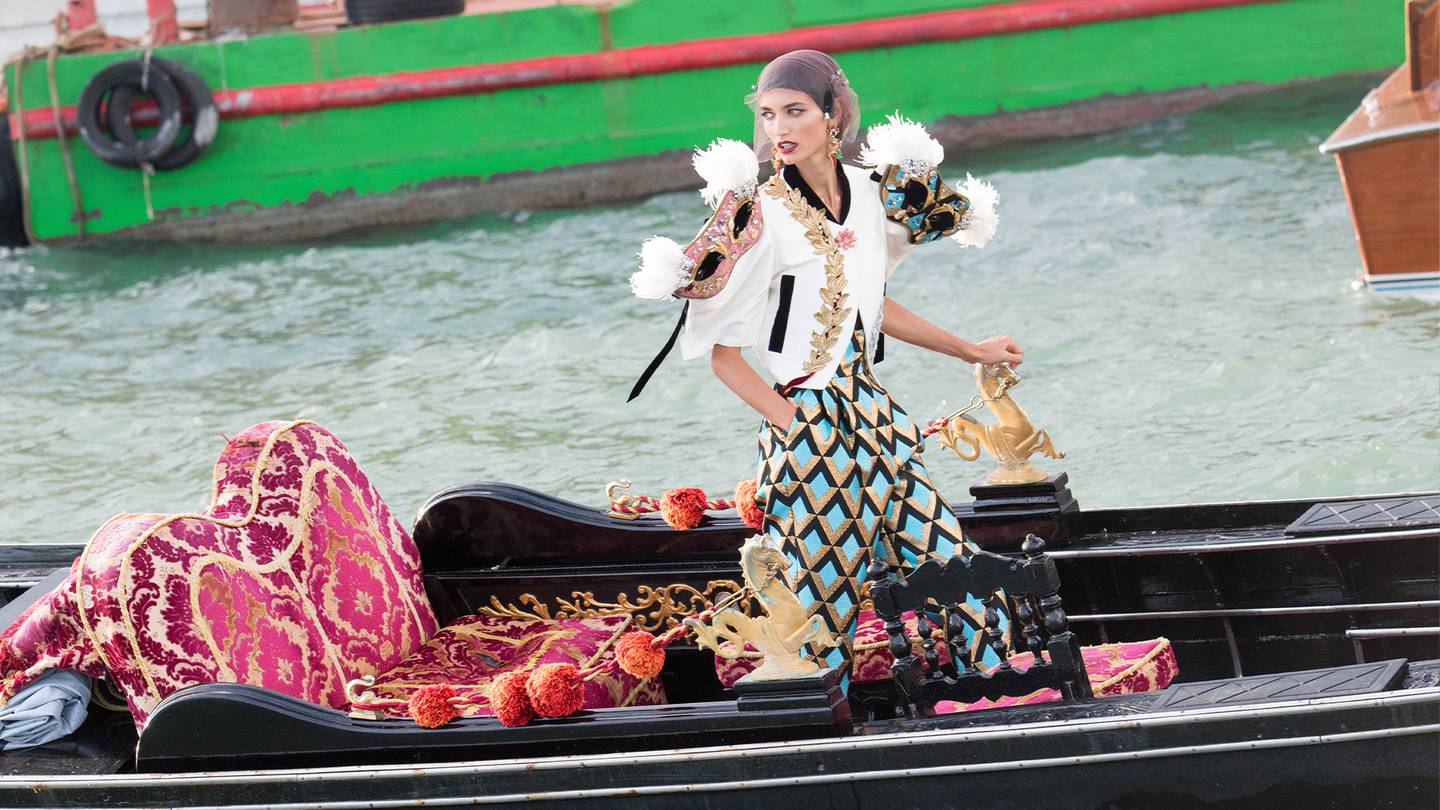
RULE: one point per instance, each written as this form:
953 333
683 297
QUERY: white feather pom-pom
726 165
901 142
981 220
663 269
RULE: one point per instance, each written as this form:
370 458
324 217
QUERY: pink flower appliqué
845 239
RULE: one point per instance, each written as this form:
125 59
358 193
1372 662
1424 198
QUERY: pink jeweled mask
711 256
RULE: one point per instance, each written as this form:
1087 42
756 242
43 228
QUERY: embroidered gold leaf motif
653 609
832 313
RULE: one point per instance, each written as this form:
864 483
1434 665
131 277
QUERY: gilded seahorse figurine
781 634
1011 442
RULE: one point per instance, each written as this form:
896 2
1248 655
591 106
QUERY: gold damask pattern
653 609
833 313
296 578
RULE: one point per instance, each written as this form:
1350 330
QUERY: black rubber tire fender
361 12
195 96
12 201
131 72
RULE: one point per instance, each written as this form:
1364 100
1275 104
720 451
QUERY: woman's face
794 123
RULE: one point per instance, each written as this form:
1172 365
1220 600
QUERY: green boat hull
288 176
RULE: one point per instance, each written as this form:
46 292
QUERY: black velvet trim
792 176
782 313
660 357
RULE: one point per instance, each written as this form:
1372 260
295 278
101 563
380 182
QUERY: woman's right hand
998 349
782 417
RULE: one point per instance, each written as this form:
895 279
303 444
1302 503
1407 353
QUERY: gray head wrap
816 75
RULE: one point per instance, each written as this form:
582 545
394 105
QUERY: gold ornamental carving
654 609
832 313
1011 442
782 634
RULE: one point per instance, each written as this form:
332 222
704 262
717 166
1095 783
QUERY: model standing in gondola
796 268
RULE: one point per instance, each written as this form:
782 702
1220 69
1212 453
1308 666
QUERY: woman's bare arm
902 324
739 377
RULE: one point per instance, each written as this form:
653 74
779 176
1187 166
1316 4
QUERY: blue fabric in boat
48 709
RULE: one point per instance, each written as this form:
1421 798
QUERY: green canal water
1183 290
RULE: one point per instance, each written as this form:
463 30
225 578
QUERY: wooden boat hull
1388 154
1239 589
1369 750
1393 188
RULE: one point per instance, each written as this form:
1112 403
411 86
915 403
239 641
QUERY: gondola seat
471 652
296 578
1114 669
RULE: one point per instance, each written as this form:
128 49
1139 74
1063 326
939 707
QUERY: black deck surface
1360 515
106 743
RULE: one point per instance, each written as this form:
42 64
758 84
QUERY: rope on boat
683 507
75 197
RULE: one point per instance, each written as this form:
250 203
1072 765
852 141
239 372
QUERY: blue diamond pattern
866 438
814 542
803 453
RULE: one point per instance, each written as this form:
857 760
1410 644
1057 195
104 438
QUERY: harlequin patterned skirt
845 481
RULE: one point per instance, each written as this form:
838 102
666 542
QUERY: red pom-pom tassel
430 705
555 690
637 654
509 701
747 506
682 507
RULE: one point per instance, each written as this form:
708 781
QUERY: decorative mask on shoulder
701 268
710 257
923 203
906 160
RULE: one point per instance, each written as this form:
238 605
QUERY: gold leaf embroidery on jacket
832 313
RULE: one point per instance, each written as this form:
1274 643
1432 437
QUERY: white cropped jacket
795 293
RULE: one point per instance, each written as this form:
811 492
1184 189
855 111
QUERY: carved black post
903 670
1062 645
926 630
956 642
993 636
1029 631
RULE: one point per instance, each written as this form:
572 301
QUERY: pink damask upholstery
1114 669
296 578
471 652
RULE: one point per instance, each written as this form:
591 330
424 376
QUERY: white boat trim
1421 275
1232 613
1403 282
1380 136
1392 632
1399 698
1239 545
1315 499
869 776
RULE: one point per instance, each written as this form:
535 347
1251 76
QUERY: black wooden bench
1026 588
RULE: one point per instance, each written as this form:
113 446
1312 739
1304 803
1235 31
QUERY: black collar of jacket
792 177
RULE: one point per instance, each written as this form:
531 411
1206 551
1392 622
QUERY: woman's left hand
998 349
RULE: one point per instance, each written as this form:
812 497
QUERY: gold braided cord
833 313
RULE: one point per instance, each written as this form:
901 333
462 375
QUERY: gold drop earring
775 159
834 150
